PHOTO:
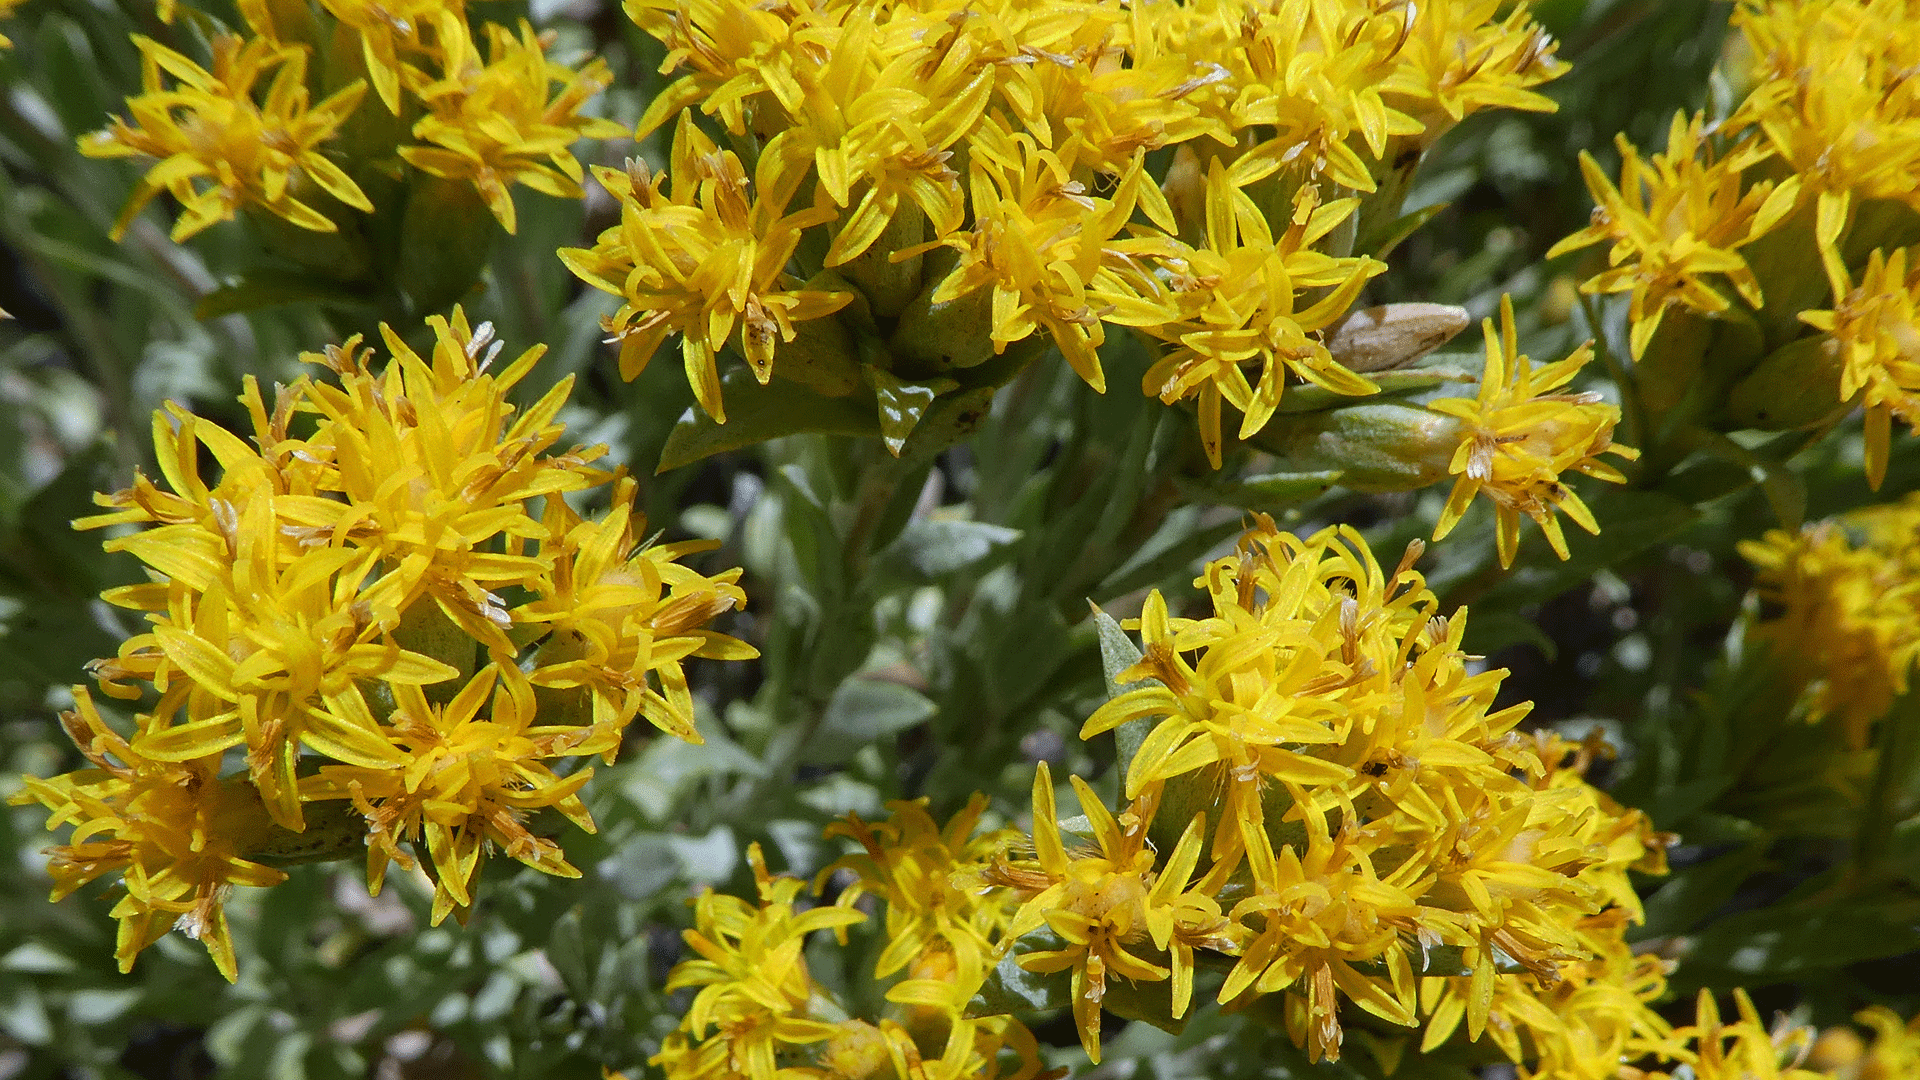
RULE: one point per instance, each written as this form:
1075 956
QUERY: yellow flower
1460 56
433 468
1097 114
1676 224
1846 632
1305 82
1232 302
392 32
1876 327
300 600
617 620
1039 243
1742 1050
881 111
1521 434
755 994
1834 98
1111 908
1594 1015
932 881
219 149
494 126
175 831
703 260
1371 809
465 782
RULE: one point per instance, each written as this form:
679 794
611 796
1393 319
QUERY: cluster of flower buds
381 624
1711 236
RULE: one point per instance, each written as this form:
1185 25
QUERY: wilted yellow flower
177 833
619 617
1876 327
494 125
1232 303
1521 434
703 260
218 148
1847 629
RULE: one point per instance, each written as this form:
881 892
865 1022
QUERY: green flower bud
1376 447
890 286
1798 386
444 240
941 337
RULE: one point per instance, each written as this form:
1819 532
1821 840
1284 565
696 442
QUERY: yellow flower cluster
1844 623
1875 327
1520 434
978 171
1676 224
1352 824
369 603
1824 150
246 133
760 1014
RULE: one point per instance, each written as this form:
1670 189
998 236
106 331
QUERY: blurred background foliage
922 623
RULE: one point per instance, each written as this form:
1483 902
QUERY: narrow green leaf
757 413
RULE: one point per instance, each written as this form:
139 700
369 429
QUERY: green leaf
1011 988
1691 895
902 404
929 550
757 413
1792 941
1117 654
1148 1002
1267 492
267 288
861 712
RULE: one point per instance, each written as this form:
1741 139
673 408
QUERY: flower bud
1798 386
1377 446
952 334
1392 335
444 240
889 286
